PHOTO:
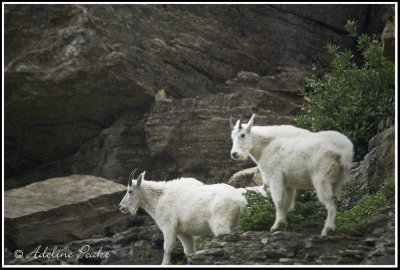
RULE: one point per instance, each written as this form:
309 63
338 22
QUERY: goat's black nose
235 155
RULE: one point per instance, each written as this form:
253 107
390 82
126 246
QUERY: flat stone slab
61 209
246 178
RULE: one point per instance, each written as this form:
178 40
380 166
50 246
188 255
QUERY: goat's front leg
169 241
187 243
279 197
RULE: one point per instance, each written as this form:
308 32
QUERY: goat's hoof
326 231
281 227
275 230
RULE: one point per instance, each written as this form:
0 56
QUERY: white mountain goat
185 208
291 158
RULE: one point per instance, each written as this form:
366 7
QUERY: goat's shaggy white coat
291 158
185 208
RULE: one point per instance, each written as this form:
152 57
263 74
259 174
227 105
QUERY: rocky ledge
371 243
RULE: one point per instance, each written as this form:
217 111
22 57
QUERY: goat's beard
132 211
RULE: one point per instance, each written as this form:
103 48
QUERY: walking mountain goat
291 158
185 208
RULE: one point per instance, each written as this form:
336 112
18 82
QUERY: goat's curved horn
240 122
132 175
230 122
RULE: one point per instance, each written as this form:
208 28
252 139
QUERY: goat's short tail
346 158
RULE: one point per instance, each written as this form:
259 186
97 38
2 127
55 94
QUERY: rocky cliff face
191 137
379 163
80 82
103 89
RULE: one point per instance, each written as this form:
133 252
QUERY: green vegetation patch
366 206
353 97
201 239
260 212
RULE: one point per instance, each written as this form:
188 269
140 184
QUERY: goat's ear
238 125
250 123
140 179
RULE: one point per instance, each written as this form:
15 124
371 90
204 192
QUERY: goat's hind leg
326 195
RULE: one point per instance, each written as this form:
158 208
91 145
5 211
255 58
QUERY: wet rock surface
378 164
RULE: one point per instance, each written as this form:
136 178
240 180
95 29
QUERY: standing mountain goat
185 208
289 158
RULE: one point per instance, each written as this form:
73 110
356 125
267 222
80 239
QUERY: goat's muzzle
234 155
122 209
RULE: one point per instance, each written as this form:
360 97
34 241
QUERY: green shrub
260 213
351 98
307 208
366 206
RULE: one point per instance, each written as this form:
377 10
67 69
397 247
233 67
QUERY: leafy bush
351 99
307 208
367 205
260 213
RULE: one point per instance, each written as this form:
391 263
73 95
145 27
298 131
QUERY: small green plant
146 254
201 239
352 189
351 98
366 206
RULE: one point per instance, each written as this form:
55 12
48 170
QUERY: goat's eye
242 136
130 192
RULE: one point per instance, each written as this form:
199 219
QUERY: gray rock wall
80 80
